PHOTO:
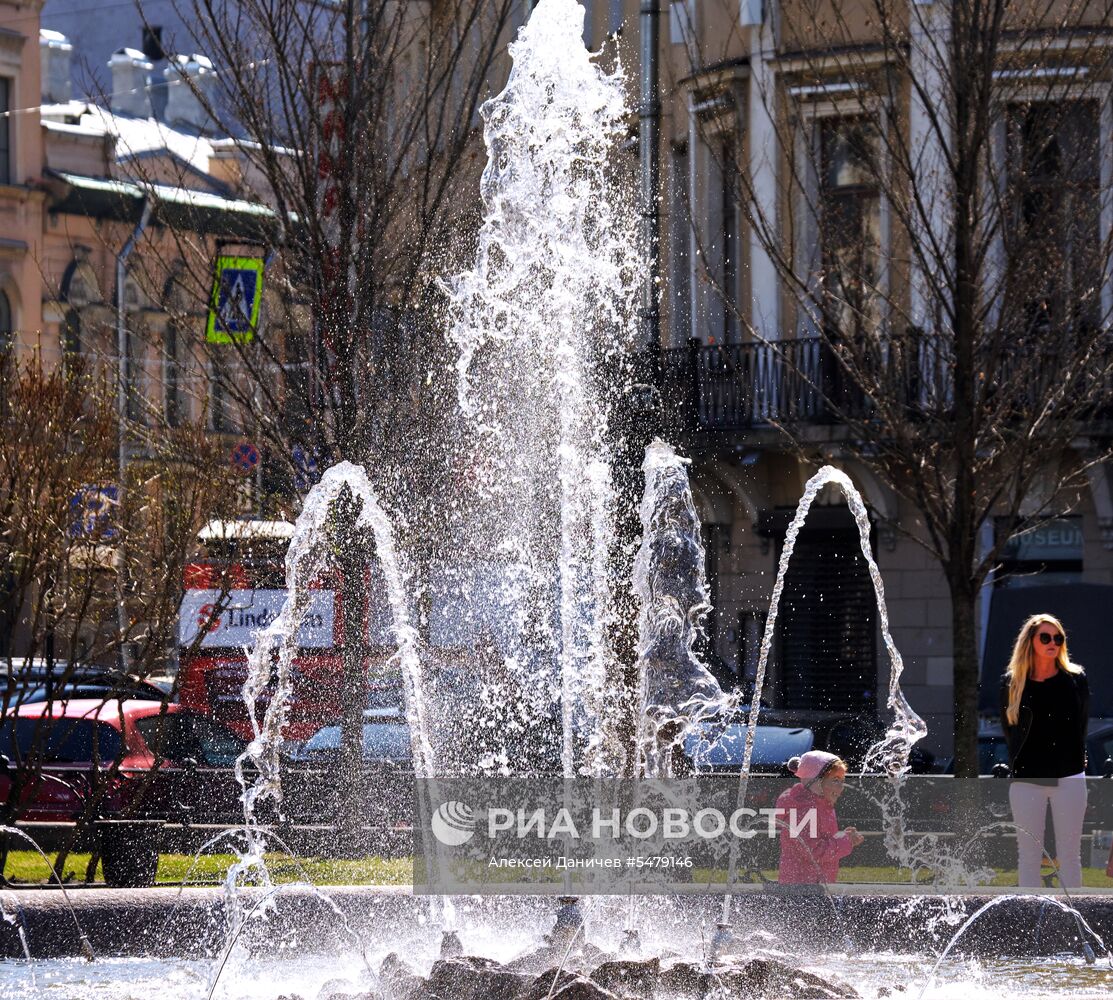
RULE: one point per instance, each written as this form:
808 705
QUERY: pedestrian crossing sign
234 305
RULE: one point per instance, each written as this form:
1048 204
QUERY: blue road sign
92 509
305 464
234 304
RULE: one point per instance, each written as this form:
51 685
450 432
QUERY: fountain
542 325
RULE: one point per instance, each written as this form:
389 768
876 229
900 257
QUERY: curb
191 922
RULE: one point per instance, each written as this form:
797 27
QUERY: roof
176 207
101 709
218 531
134 136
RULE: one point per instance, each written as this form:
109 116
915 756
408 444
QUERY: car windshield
59 740
381 741
179 736
773 745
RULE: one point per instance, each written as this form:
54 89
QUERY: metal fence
739 386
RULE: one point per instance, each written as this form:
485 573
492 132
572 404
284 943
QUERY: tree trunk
637 423
965 638
352 550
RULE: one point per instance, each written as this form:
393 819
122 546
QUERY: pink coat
805 858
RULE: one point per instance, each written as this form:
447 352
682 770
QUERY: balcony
741 386
737 387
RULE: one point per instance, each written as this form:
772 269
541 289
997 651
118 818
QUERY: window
221 405
298 411
1054 178
5 323
523 11
71 333
152 43
59 741
172 376
728 240
849 208
681 21
716 544
616 16
5 131
131 377
680 236
179 736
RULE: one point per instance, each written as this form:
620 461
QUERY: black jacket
1016 735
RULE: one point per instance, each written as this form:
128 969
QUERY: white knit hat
813 764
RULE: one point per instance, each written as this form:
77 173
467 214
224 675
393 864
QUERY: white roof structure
246 529
135 137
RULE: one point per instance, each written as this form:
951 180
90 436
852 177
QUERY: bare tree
936 231
358 124
62 538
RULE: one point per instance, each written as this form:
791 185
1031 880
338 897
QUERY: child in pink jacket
804 857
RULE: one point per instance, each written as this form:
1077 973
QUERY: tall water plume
541 323
676 687
270 662
890 755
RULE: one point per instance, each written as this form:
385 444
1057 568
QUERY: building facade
776 229
105 212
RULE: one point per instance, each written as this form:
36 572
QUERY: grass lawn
209 869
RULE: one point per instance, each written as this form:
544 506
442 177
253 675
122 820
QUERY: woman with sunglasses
1045 709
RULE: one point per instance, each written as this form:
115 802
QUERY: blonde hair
1020 666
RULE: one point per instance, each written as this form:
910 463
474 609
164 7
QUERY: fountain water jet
544 310
554 264
676 688
276 647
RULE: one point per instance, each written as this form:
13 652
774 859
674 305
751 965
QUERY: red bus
248 593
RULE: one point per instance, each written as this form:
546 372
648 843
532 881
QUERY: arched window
6 330
71 333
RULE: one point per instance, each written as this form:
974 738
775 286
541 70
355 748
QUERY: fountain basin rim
169 922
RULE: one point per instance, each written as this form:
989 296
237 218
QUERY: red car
59 752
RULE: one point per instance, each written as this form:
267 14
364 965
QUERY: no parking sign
245 456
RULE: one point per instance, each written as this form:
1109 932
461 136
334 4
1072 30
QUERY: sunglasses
1047 638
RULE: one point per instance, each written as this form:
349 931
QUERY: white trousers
1029 802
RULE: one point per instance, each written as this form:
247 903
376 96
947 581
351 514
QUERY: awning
175 207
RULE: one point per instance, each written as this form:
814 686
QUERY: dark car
993 751
315 791
386 739
836 732
722 750
31 681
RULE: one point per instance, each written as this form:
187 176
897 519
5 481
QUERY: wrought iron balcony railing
738 386
742 386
